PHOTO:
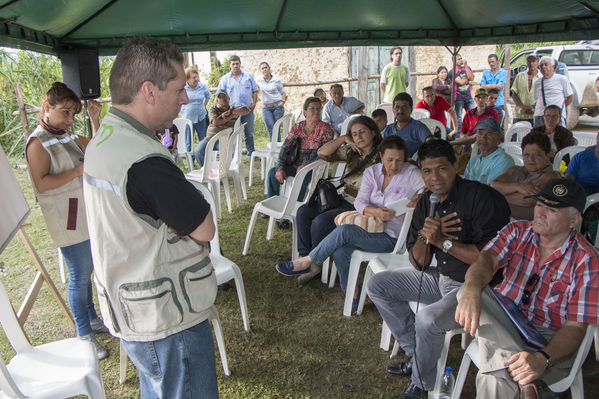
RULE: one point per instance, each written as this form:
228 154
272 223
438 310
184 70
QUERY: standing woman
55 157
273 97
195 109
441 85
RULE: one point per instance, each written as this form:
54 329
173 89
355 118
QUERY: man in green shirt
395 77
523 90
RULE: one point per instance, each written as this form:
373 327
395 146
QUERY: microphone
434 199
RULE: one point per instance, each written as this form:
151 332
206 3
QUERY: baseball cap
489 124
481 91
533 55
561 193
219 92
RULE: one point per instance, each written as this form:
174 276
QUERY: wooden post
507 119
22 110
363 74
412 67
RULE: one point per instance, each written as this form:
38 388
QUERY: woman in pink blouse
382 184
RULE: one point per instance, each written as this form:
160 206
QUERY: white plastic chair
519 130
362 256
514 150
523 123
388 107
345 124
236 167
268 154
573 380
571 151
225 270
217 328
58 369
591 200
285 205
298 115
209 173
586 139
182 152
419 113
433 124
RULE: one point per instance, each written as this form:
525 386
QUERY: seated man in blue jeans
468 215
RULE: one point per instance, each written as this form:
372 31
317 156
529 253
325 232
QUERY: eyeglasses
529 288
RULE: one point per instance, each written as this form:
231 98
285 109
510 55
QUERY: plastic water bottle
447 384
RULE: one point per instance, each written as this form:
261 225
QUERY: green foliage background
35 73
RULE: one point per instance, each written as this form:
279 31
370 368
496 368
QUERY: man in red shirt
437 106
473 116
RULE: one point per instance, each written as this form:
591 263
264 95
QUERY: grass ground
300 345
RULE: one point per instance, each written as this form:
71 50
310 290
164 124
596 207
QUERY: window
580 57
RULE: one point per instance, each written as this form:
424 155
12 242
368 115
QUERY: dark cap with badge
561 193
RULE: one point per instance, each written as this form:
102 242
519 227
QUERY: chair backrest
210 162
285 123
297 115
346 123
586 139
182 124
571 151
405 226
516 130
474 152
214 243
523 123
17 339
237 124
318 168
419 113
433 125
592 200
234 151
514 150
388 107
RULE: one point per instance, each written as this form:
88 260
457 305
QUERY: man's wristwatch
546 355
447 245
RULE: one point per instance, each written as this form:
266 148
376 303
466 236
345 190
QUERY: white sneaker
102 353
98 326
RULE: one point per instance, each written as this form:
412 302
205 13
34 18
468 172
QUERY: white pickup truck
582 60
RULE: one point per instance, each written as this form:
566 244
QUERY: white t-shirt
557 89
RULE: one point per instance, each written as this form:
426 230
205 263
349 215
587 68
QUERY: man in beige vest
148 227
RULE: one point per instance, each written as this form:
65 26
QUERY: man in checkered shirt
552 274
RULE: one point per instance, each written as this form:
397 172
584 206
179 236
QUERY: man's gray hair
572 211
546 57
142 59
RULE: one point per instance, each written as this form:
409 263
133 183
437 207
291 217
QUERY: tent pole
454 54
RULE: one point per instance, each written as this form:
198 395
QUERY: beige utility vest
63 207
150 283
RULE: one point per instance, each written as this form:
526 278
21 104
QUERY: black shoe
414 392
283 224
403 369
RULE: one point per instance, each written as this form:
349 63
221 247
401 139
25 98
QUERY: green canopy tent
51 26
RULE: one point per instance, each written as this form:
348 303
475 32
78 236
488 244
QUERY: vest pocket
150 306
198 283
106 308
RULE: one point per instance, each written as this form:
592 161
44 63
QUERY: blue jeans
200 128
273 186
200 151
180 366
270 116
313 227
248 132
342 242
467 104
78 258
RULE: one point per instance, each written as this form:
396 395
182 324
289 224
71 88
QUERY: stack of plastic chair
236 166
209 173
271 152
285 205
182 152
573 380
59 369
419 113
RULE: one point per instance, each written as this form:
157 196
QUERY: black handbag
325 196
290 154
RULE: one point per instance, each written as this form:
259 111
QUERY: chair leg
333 275
237 186
122 364
220 341
189 161
215 188
395 349
227 189
596 338
443 358
461 378
241 296
385 337
294 250
248 235
324 276
244 190
271 228
251 170
577 389
363 294
352 281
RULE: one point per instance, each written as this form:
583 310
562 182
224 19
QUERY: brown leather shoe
530 391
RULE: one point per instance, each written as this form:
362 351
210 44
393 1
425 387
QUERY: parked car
582 61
